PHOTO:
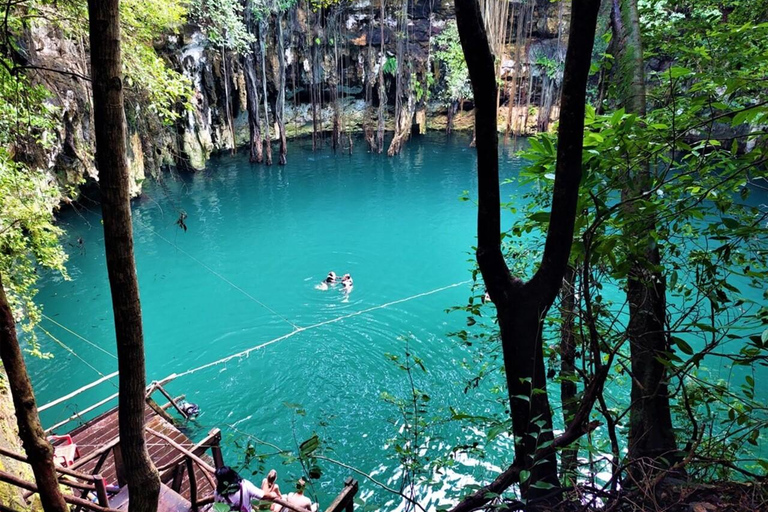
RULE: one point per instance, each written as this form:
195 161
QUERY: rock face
332 66
71 157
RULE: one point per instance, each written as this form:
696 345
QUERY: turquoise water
242 281
259 240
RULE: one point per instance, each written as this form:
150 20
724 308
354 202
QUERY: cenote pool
243 276
258 241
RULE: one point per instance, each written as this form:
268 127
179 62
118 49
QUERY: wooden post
192 483
218 459
172 401
101 490
345 501
351 482
119 467
101 461
178 477
159 410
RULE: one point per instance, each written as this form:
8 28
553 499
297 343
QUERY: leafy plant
454 83
28 236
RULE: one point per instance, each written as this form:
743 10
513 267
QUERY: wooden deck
186 470
99 444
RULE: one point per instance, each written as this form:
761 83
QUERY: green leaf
678 71
539 217
497 430
310 445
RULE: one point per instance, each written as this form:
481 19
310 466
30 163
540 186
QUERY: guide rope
246 352
68 349
94 345
230 283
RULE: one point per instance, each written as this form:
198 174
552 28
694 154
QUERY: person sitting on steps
271 490
234 490
298 500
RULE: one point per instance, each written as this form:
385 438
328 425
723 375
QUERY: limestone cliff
333 56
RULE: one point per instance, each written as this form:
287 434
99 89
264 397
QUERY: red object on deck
65 450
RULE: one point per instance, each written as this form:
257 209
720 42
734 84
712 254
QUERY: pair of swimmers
332 279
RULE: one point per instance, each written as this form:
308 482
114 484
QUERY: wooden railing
189 463
345 501
69 477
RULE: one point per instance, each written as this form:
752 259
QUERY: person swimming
346 284
330 280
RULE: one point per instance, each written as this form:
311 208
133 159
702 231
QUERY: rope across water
297 330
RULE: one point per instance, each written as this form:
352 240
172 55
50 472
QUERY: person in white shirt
235 491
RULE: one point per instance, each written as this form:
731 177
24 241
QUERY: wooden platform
169 501
99 444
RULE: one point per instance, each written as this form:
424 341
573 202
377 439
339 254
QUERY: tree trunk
109 123
368 132
280 102
568 370
263 51
252 91
227 103
382 88
36 446
523 305
403 109
651 436
334 80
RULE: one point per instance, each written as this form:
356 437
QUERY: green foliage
222 23
390 66
29 127
551 67
154 85
710 235
317 5
422 89
455 84
28 237
154 91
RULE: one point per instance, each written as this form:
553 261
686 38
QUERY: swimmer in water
346 283
329 281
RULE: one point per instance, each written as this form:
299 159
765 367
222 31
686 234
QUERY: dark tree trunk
523 305
651 436
370 137
227 102
404 101
252 91
109 123
36 446
382 87
334 80
313 94
263 51
280 102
